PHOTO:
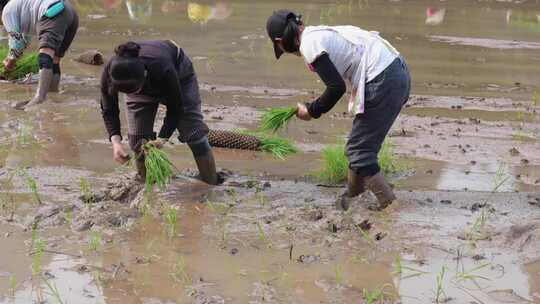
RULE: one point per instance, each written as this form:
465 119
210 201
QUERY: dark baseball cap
275 26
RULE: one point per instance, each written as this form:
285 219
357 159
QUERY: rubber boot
45 80
355 187
382 190
141 168
55 83
207 168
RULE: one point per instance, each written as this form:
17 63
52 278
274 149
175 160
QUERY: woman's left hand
303 112
9 64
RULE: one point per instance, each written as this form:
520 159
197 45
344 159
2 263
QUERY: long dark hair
291 33
127 69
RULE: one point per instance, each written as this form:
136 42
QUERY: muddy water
475 78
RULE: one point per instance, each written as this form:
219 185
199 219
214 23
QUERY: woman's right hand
119 155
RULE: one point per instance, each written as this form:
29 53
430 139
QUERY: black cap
3 3
275 26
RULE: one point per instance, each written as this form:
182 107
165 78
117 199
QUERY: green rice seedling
170 215
365 235
7 201
500 178
12 285
95 241
39 248
68 217
52 290
179 273
471 275
338 273
387 159
536 98
279 147
275 119
399 269
335 165
159 169
27 64
477 231
374 296
31 183
440 295
262 235
87 194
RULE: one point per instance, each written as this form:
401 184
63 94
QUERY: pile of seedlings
28 64
335 164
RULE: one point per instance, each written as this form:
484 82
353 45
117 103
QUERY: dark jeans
385 96
142 110
57 33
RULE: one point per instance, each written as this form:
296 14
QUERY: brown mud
469 197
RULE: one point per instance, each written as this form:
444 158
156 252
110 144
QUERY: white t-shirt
359 56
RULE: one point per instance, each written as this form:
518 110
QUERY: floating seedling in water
471 275
500 178
375 296
399 269
12 285
179 273
275 119
87 195
32 185
52 290
95 241
440 295
338 273
262 235
536 98
39 247
170 214
159 169
7 201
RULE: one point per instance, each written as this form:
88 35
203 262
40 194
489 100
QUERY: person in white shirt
55 22
380 83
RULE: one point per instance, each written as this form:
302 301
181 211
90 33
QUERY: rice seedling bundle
277 118
159 169
277 146
27 64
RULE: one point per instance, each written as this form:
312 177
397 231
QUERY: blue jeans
385 96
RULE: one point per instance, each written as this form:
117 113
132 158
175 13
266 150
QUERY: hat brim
277 50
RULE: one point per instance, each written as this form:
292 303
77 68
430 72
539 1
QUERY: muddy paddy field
466 228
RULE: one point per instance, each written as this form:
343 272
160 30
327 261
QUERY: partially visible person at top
55 22
380 83
150 73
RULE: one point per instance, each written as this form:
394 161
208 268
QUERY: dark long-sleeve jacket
161 60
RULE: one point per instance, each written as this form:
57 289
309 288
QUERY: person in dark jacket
152 73
380 83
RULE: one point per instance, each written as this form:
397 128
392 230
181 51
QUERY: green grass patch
27 64
275 119
336 166
159 169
